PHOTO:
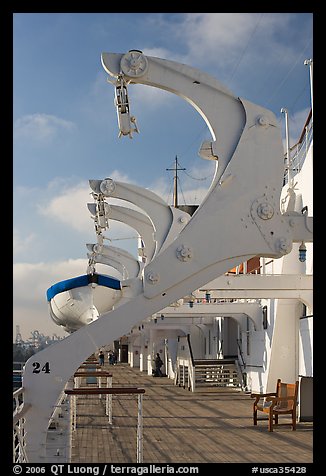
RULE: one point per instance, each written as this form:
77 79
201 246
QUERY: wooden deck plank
208 426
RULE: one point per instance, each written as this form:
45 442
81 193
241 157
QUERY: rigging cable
246 47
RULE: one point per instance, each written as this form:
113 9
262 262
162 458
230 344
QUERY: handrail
20 409
90 365
20 414
18 405
113 391
186 361
104 390
190 350
242 366
89 373
241 354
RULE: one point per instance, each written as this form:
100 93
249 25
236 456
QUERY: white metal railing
115 391
19 434
298 152
108 397
185 375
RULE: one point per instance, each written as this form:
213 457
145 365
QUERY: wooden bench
281 402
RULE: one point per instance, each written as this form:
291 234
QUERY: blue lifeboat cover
81 281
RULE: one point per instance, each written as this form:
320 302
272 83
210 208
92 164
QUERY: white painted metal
234 309
310 63
260 286
108 407
140 429
140 222
287 140
245 194
167 221
109 261
130 264
75 308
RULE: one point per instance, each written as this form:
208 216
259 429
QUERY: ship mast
175 182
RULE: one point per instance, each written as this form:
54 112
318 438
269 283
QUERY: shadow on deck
208 426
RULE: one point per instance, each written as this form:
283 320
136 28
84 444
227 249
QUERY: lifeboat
79 301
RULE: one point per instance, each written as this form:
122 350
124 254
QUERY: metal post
285 111
310 63
140 429
100 385
109 397
175 183
74 412
119 391
245 267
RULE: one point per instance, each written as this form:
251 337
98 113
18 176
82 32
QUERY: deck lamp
302 252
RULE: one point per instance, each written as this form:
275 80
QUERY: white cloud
162 53
41 128
70 207
22 243
69 210
219 38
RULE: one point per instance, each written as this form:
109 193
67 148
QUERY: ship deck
211 425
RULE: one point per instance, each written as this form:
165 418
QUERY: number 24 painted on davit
38 369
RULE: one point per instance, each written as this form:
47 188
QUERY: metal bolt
283 245
262 121
152 277
184 253
265 211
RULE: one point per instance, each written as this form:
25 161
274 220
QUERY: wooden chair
281 402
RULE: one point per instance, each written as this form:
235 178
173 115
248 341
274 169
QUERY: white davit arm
239 218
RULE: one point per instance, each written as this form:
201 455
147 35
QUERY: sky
65 129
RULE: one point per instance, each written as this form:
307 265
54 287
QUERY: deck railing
185 375
299 151
114 391
19 434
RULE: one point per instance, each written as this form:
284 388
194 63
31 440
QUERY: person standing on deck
158 365
101 357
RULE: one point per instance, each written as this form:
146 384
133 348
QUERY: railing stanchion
140 429
109 400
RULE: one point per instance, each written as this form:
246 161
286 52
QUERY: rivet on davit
283 245
262 121
265 211
184 253
152 277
